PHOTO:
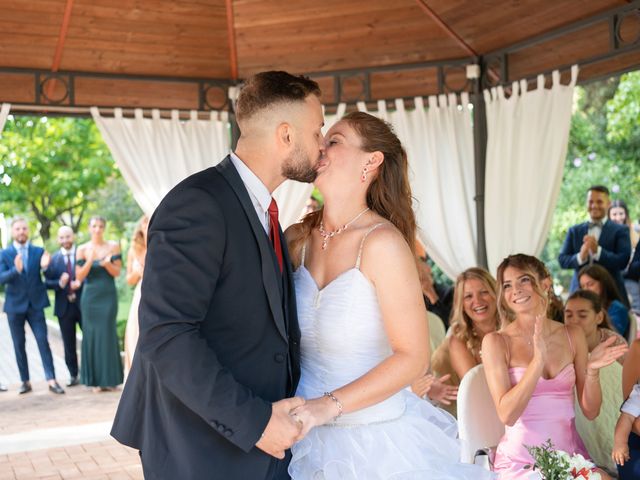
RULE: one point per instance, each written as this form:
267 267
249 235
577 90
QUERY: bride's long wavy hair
389 194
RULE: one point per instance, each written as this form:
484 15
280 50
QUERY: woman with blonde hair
135 269
474 315
535 366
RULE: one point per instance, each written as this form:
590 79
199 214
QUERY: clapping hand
64 279
75 285
605 354
539 345
45 260
19 264
283 430
442 392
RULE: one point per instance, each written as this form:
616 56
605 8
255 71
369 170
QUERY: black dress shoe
3 388
73 381
25 388
55 388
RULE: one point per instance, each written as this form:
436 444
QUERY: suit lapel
270 278
604 233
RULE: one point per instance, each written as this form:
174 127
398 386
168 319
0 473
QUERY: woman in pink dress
533 366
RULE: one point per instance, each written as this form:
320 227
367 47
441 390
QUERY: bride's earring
363 177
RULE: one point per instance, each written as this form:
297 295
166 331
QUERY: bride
363 321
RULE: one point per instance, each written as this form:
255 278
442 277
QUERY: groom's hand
282 430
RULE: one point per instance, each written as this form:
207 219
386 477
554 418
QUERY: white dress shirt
258 192
594 231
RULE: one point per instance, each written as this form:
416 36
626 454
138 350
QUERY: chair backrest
633 327
597 434
478 422
436 331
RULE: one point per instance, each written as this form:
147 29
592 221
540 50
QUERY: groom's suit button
278 357
221 428
228 433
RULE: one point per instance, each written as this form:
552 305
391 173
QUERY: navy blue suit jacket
633 272
616 250
219 337
23 290
56 268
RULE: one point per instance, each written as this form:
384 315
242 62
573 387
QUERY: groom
218 352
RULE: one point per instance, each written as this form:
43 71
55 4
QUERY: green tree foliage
623 113
52 167
604 148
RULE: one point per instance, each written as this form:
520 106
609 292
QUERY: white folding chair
633 327
478 424
436 331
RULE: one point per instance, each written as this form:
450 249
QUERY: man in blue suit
25 300
597 241
60 277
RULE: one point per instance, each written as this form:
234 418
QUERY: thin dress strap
506 344
573 352
302 254
362 243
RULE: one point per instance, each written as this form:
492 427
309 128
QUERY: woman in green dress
98 263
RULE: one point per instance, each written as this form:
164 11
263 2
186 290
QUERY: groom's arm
184 258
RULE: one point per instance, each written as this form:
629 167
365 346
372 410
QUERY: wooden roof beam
231 35
57 56
434 16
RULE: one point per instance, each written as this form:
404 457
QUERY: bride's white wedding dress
402 437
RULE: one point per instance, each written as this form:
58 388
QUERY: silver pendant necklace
326 236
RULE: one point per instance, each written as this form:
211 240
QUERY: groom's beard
299 167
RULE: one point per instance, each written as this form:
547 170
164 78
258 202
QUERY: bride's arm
389 264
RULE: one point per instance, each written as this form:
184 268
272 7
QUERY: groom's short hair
266 89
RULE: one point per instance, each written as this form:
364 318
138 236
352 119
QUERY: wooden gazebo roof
183 53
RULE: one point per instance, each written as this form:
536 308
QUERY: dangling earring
363 177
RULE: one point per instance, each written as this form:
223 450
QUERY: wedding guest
630 379
61 278
584 309
438 298
99 262
599 281
597 241
474 315
619 213
135 270
21 265
533 367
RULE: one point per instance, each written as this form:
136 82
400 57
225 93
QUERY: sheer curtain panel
528 135
4 113
154 154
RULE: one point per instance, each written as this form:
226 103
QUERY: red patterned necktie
274 231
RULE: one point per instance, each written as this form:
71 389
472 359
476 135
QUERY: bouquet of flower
555 464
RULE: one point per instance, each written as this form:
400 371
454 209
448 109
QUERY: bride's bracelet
336 401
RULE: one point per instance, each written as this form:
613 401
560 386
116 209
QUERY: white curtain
4 113
154 154
439 144
527 143
292 196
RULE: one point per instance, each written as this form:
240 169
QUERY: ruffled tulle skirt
421 443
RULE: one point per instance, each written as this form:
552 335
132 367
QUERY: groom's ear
284 135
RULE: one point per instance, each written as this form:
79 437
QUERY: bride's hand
317 411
